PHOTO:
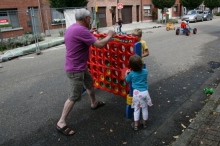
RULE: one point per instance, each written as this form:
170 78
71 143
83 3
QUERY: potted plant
111 10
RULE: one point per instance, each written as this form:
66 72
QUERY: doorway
101 14
137 13
113 15
126 13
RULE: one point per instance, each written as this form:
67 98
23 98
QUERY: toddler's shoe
134 127
143 125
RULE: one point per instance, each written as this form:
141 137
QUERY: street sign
120 5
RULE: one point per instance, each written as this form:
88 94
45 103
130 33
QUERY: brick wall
22 7
144 3
179 10
113 3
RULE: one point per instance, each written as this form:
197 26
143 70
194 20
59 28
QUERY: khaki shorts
77 82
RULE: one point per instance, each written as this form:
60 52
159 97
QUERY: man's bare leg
91 93
66 110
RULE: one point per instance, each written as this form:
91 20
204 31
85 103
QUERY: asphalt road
34 88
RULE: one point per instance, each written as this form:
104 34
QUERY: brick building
132 12
17 13
109 14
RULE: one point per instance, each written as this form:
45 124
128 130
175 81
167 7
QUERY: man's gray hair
81 14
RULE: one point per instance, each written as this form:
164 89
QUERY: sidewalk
129 27
205 128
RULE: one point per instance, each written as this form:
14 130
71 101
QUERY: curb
187 136
30 49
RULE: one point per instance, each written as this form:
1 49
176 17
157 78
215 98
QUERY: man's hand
110 33
93 29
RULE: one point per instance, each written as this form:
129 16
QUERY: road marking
26 57
55 48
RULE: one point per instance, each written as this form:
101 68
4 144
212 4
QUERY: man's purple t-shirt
77 40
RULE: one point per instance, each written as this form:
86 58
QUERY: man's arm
103 42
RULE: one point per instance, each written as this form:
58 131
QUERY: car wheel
177 32
202 19
195 20
167 28
187 32
194 30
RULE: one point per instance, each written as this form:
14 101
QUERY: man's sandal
65 130
99 104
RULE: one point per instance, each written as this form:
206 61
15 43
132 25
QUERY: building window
175 8
147 10
9 16
57 17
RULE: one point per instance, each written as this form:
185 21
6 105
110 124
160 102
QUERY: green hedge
217 13
15 42
5 25
169 20
172 20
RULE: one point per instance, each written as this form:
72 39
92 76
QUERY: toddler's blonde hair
137 32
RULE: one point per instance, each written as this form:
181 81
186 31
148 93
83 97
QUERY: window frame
8 15
147 12
175 8
57 20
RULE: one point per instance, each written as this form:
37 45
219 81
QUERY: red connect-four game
105 64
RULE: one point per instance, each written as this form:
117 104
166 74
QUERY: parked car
208 15
194 16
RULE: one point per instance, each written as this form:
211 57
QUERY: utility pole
117 8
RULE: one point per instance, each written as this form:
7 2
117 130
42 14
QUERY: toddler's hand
127 71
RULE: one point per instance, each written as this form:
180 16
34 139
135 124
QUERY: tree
211 4
67 3
191 4
161 4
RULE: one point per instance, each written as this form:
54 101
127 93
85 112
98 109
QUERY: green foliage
161 4
98 22
3 46
5 25
16 42
169 20
28 32
172 20
217 13
211 4
191 4
61 33
67 3
59 21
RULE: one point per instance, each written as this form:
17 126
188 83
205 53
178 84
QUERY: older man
78 40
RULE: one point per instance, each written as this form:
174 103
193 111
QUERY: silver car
208 15
194 16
